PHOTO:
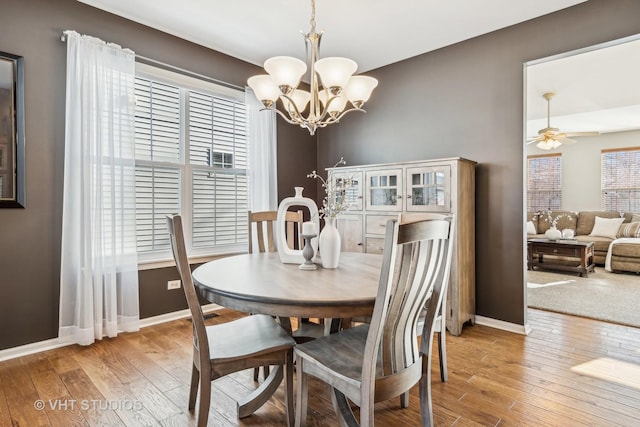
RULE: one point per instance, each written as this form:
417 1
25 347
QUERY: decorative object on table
568 233
334 203
288 255
327 104
553 233
329 244
308 233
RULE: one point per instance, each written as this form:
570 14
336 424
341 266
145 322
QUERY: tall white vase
329 244
288 255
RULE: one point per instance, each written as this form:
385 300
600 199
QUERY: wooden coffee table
566 255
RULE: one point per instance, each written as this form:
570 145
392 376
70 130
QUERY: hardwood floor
569 371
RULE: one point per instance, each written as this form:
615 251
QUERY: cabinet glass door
384 190
348 185
429 189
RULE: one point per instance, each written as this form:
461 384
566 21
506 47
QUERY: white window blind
217 130
620 177
191 158
544 182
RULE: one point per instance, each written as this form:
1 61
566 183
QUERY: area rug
604 296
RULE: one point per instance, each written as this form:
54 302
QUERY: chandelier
340 93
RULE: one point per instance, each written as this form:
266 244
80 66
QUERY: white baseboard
505 326
37 347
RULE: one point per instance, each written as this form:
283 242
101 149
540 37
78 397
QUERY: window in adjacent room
191 158
620 177
544 182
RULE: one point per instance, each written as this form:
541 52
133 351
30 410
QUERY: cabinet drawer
557 250
376 223
375 245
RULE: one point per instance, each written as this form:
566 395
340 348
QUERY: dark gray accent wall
467 100
30 238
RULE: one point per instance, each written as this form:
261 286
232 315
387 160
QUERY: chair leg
404 400
256 374
288 389
301 395
425 393
205 401
193 392
442 355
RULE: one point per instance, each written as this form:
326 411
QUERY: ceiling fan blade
595 133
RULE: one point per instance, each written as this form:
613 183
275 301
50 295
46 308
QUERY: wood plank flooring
569 371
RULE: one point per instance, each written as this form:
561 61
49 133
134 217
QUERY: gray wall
581 167
30 238
467 100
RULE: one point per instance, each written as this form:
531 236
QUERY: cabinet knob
360 244
409 196
359 197
399 197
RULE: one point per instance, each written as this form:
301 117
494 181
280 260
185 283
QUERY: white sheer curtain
263 186
99 269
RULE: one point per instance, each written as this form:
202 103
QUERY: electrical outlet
174 284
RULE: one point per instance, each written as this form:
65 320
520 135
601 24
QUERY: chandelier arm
348 111
281 114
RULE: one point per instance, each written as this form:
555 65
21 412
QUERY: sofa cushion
564 219
606 227
629 229
587 219
627 250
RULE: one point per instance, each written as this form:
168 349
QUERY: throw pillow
635 218
629 229
606 227
531 228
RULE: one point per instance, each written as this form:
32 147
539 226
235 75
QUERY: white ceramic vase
553 234
329 244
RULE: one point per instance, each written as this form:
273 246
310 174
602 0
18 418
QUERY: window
620 177
544 182
191 158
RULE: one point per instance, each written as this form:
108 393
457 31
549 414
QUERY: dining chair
219 350
374 362
440 326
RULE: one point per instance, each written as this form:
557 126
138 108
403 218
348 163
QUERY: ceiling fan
549 138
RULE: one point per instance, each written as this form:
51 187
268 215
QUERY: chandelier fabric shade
333 89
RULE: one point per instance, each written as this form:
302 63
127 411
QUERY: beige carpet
605 296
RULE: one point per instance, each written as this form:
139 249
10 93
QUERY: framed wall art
12 150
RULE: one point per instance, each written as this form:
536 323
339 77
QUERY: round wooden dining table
259 283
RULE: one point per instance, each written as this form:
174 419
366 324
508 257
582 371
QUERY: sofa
622 255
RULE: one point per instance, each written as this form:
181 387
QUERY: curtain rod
150 61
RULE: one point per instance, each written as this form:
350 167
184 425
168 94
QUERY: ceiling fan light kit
327 103
550 138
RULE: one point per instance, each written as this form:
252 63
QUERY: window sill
164 263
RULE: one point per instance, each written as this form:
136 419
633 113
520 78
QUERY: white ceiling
596 90
376 33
